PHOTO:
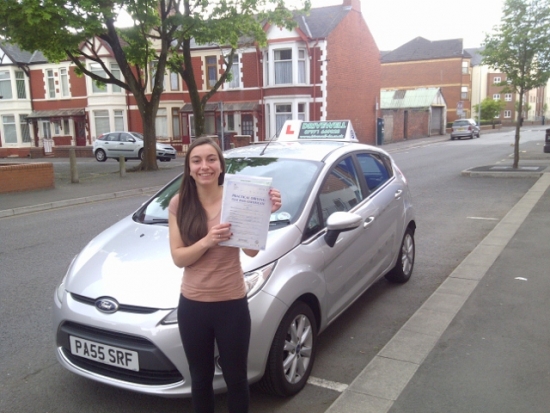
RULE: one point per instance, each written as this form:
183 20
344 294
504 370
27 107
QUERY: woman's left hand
275 197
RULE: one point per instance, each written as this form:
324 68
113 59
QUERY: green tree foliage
520 48
159 39
490 109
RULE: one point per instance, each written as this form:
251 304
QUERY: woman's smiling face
205 165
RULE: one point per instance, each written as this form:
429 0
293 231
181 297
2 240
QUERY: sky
396 22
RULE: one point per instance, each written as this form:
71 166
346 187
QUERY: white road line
485 218
327 384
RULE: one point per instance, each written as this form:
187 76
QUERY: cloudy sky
395 22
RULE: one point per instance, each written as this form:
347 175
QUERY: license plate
113 356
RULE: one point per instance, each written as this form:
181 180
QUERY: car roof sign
339 130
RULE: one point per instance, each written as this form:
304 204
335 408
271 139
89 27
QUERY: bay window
5 85
283 66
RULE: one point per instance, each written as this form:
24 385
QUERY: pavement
480 343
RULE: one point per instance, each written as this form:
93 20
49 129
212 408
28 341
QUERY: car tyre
402 271
100 155
292 352
141 155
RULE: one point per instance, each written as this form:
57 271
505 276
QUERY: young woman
213 305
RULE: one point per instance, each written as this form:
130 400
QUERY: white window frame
50 82
464 93
508 97
9 127
496 80
5 84
208 82
161 123
118 118
101 115
98 70
64 82
174 81
20 84
25 129
507 114
236 73
299 62
496 96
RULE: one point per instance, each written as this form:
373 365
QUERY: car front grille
122 307
155 367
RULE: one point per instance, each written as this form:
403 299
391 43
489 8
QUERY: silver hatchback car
346 220
128 145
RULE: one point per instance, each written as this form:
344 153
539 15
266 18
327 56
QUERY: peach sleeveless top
217 275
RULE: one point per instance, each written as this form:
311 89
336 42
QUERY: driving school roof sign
341 130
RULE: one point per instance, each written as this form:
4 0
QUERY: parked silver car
346 220
465 128
128 145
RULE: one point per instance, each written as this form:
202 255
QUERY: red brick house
422 63
327 68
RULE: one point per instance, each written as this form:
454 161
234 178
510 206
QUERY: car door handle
368 221
398 193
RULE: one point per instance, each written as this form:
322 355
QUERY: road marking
327 384
485 218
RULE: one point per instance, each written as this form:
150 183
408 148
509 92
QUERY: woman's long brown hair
191 216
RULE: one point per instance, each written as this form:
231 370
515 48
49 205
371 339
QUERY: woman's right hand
219 233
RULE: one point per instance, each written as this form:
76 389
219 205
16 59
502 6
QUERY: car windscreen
461 123
294 178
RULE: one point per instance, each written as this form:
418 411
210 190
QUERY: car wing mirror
131 140
340 222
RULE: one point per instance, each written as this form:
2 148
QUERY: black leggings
228 323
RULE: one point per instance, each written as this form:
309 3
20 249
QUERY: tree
490 109
520 48
160 38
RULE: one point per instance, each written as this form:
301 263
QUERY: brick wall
418 122
26 177
443 73
353 75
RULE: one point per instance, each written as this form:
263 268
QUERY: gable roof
476 58
423 49
21 56
321 21
413 98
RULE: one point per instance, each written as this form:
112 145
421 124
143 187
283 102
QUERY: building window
97 87
57 128
283 66
266 58
153 73
235 73
5 85
161 124
497 80
20 84
101 118
465 68
119 120
301 111
46 129
301 66
464 93
174 81
25 130
211 71
282 114
66 127
496 96
508 97
507 113
230 121
10 131
176 133
117 74
247 125
51 83
64 78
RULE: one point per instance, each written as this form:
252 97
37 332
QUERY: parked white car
128 145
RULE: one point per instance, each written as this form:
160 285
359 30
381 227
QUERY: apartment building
327 68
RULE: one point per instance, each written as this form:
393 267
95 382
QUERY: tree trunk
518 126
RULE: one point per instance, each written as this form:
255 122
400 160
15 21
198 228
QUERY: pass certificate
247 207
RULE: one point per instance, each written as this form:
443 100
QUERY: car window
341 191
374 170
461 123
113 137
124 137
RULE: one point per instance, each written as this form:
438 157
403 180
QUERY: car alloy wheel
405 262
292 352
100 155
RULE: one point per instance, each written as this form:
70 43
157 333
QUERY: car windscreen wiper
279 222
153 221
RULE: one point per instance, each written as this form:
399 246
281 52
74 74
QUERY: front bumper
163 365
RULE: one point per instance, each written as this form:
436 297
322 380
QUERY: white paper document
247 207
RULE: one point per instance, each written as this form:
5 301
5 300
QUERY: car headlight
256 279
61 287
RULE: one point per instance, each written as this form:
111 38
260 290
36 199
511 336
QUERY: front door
80 132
